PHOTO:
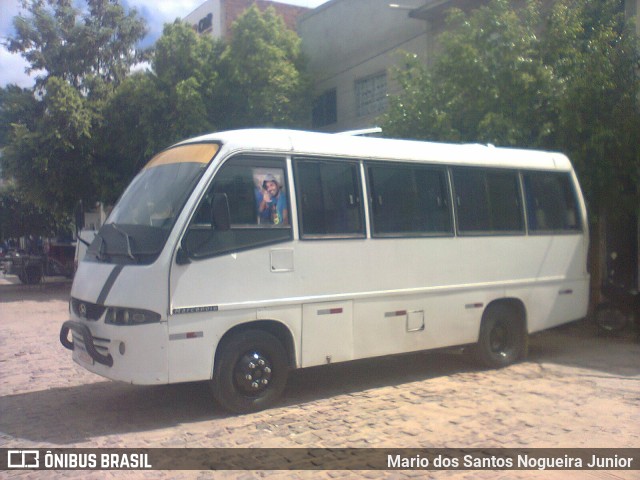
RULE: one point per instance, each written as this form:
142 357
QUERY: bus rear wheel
503 337
250 371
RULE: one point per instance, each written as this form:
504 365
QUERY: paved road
575 390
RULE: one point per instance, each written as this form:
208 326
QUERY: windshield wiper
128 239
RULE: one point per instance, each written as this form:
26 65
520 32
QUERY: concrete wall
347 40
214 8
225 12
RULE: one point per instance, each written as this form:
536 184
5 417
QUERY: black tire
34 275
31 275
503 337
610 319
250 371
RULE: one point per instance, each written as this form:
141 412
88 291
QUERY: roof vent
362 133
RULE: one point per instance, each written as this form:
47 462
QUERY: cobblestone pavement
575 390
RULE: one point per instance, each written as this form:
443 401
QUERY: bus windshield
143 217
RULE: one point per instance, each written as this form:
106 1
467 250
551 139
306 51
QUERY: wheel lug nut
261 362
267 370
254 385
248 377
252 365
265 381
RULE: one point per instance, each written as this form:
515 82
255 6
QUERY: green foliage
595 55
264 83
89 125
564 79
48 141
79 47
17 105
197 85
19 217
49 159
151 110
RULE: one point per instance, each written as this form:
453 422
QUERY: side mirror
220 216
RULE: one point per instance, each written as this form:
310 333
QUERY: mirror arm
182 256
82 240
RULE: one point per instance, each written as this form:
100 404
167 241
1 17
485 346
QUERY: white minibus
237 256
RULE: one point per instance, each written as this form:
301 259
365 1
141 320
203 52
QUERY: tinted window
329 198
408 200
487 201
257 197
551 202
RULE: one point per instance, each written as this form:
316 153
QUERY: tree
196 85
595 55
80 47
79 57
19 218
565 80
50 158
89 124
263 77
151 110
486 85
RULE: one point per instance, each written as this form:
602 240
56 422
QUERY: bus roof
373 148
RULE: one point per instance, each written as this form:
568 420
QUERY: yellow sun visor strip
193 153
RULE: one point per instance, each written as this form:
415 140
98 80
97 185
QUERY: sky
155 12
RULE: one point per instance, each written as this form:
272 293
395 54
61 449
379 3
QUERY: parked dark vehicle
60 258
28 268
57 259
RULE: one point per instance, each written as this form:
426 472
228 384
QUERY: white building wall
213 7
348 40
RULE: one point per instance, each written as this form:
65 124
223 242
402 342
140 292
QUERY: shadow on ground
42 292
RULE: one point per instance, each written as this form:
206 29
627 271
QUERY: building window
325 109
371 95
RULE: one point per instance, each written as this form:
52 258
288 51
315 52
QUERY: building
353 46
215 17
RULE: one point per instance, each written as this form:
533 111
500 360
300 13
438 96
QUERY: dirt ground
576 389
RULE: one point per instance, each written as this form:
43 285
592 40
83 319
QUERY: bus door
226 261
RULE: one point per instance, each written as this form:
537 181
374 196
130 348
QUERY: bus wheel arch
503 334
251 366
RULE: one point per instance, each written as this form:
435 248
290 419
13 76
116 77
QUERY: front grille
90 311
100 344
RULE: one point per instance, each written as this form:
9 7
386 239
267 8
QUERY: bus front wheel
503 337
250 371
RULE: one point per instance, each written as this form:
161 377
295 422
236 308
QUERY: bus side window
551 202
329 199
256 190
408 200
488 201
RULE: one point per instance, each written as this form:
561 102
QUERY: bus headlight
130 316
